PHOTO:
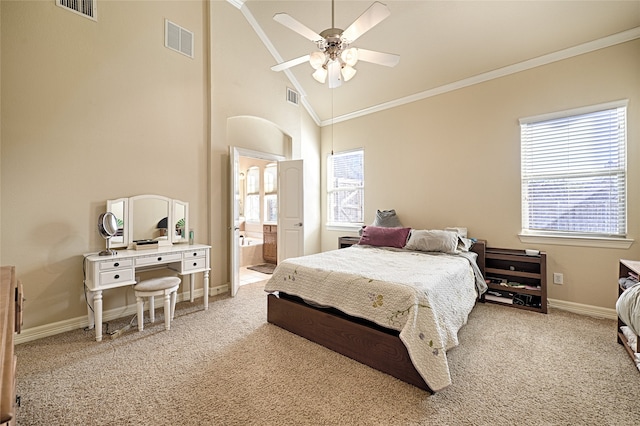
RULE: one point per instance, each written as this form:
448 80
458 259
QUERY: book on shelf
500 299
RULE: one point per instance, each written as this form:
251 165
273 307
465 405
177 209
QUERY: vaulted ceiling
443 45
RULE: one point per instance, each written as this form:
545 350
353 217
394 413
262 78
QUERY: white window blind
574 172
252 203
345 188
271 193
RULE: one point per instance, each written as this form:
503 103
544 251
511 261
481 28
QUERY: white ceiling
442 44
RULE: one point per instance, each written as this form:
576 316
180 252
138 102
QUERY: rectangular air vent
178 39
86 8
293 96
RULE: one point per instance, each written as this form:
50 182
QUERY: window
271 193
252 204
345 188
574 172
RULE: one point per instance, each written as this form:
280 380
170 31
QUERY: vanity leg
90 317
192 285
206 290
97 308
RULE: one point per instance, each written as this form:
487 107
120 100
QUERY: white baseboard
588 310
34 333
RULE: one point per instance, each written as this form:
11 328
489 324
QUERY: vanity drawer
112 277
116 264
194 253
158 259
193 264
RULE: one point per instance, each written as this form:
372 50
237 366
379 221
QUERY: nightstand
347 241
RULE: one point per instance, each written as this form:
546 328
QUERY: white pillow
434 240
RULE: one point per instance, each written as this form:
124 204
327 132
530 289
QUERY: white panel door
290 209
234 218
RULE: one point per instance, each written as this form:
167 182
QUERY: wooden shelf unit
10 323
516 266
625 267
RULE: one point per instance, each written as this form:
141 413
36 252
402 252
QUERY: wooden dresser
10 323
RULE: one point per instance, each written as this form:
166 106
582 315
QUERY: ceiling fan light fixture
320 75
335 60
348 72
350 56
317 60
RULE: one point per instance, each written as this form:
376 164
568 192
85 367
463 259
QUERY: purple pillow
384 237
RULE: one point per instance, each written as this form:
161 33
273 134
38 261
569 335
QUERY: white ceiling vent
86 8
178 39
293 97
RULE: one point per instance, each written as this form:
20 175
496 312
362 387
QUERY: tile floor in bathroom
247 276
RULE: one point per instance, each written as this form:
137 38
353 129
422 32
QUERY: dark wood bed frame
361 340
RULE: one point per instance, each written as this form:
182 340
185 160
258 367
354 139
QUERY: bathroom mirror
180 230
119 208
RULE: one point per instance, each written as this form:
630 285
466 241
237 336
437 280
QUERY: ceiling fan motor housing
332 44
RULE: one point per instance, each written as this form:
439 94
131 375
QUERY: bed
628 310
400 319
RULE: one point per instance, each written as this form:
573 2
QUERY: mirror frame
184 237
128 213
125 220
132 202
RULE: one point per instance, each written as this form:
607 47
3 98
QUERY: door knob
297 224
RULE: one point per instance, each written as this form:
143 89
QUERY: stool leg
140 306
152 310
167 311
173 304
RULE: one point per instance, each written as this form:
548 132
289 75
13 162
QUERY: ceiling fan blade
298 27
371 17
380 58
291 63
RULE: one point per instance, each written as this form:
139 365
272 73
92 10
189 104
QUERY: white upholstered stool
163 286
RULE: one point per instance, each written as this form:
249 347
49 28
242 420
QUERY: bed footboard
376 347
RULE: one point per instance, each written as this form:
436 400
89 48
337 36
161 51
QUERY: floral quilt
427 297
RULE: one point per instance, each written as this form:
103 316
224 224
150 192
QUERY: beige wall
100 110
97 110
93 111
454 160
246 97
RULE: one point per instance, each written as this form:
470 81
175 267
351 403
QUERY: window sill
601 242
343 227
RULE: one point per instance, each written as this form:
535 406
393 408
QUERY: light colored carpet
228 366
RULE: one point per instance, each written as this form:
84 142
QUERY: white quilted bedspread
425 296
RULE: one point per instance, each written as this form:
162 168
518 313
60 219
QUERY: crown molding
560 55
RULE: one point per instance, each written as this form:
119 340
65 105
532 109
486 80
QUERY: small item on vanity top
532 252
145 244
190 236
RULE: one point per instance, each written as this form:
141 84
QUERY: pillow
464 244
387 219
435 240
384 237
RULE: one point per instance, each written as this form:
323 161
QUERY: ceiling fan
336 58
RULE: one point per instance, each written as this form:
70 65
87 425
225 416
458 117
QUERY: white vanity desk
137 219
119 270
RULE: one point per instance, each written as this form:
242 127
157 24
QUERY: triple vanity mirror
149 217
